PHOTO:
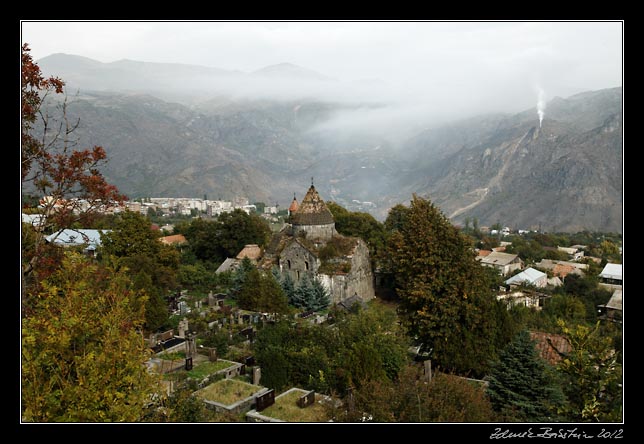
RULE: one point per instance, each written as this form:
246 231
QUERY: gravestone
212 355
428 370
265 400
166 335
306 400
257 375
188 365
249 361
183 328
242 369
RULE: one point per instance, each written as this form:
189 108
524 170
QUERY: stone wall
322 232
298 261
359 281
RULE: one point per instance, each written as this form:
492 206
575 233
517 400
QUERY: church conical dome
312 210
294 206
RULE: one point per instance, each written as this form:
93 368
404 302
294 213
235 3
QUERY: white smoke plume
541 105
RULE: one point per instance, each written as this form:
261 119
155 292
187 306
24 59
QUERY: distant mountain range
181 130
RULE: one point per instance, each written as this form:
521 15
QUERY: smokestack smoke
541 105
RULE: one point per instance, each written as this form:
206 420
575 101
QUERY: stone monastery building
308 245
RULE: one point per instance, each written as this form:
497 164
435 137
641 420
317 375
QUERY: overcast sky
479 66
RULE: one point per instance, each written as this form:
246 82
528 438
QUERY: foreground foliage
77 365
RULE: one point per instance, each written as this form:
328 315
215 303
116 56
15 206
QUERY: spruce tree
302 293
522 386
319 299
289 288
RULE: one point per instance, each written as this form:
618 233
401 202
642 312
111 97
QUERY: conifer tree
522 386
319 298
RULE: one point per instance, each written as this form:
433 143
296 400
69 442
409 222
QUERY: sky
458 67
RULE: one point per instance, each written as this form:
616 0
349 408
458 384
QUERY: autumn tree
69 181
78 366
522 386
447 299
412 399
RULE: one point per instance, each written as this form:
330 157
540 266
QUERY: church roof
312 210
294 205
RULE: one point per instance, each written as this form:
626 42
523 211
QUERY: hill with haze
182 130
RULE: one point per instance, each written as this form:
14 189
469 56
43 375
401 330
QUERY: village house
612 310
309 246
529 276
573 252
505 263
611 276
90 240
562 269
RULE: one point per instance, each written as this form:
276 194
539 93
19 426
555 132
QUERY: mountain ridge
565 175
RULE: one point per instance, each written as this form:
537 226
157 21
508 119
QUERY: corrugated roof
312 210
498 258
529 275
75 237
615 301
612 271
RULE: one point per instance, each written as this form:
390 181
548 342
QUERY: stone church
308 245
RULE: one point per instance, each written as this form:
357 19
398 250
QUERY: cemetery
230 395
294 405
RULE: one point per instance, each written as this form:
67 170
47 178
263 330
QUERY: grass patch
227 391
207 368
286 409
172 356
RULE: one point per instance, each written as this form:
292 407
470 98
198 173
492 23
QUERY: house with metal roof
81 237
505 263
612 310
529 276
611 276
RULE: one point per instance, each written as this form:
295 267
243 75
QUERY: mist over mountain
183 130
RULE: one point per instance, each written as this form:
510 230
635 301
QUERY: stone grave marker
306 400
257 375
265 400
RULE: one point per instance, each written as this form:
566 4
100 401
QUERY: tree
446 398
447 299
593 375
237 229
362 225
134 246
521 385
78 366
319 298
214 241
261 292
69 180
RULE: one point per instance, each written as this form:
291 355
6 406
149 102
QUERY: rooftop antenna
311 180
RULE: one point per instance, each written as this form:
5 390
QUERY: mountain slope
565 176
